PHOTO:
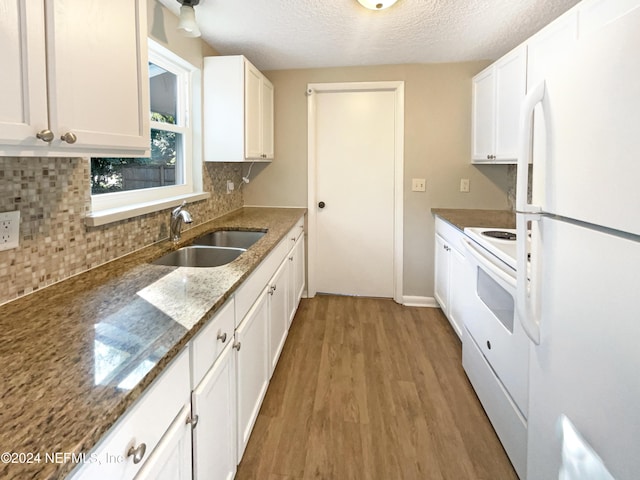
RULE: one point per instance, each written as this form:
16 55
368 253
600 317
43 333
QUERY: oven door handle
489 265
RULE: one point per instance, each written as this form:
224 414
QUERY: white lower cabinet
451 273
171 460
278 314
251 344
296 276
213 403
156 422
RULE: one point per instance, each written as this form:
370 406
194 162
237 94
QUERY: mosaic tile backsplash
512 172
53 196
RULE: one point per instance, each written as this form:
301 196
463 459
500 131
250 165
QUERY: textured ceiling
286 34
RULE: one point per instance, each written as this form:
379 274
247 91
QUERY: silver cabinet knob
45 135
193 421
137 452
69 137
237 346
222 336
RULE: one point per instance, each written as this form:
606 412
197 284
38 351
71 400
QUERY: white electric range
501 242
495 348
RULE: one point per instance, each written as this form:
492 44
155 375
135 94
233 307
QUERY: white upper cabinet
75 78
238 111
266 102
497 94
23 83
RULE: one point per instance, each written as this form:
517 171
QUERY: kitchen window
126 187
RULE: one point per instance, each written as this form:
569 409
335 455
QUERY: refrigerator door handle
525 136
527 279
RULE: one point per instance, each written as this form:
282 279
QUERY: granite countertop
462 218
77 354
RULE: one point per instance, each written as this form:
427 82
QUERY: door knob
321 205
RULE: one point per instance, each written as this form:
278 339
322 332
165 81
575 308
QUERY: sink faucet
178 215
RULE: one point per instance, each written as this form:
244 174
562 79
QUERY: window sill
103 217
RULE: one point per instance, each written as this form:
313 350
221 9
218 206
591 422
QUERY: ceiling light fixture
187 25
376 4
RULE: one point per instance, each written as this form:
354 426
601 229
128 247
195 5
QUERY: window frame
131 203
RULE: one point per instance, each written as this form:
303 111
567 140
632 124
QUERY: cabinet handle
45 135
237 346
69 137
137 453
488 344
193 421
222 336
291 259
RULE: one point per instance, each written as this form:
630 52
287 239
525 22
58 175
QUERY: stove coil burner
500 234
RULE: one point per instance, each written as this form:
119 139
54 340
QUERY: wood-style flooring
368 389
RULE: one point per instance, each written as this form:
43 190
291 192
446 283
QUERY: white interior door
355 146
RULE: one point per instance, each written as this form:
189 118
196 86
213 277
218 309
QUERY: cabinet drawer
211 340
145 422
504 415
450 234
296 232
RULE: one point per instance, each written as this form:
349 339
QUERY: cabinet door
97 73
214 438
171 460
459 287
278 314
252 367
252 112
267 118
296 277
23 87
483 106
511 84
441 290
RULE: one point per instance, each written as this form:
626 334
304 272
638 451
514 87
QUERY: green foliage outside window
107 173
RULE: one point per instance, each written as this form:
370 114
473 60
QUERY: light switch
419 185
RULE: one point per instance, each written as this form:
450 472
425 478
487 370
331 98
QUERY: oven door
492 322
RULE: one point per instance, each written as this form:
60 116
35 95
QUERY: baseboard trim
411 301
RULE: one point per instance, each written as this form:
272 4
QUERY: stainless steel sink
200 256
230 238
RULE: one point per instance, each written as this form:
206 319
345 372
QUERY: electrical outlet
419 185
464 185
9 230
230 186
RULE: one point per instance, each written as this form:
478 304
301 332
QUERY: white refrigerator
580 300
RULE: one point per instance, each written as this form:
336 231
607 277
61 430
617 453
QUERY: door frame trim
398 211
